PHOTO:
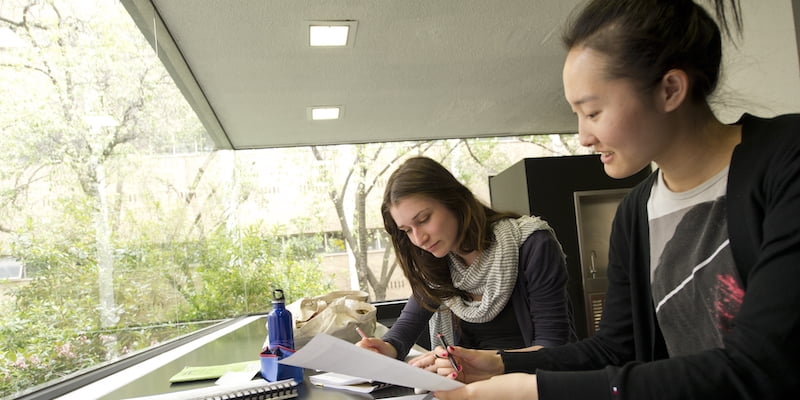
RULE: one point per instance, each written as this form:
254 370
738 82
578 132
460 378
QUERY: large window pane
121 227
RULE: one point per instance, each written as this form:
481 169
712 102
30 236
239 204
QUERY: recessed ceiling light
325 113
328 35
331 33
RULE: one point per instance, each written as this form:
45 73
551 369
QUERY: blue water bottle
279 323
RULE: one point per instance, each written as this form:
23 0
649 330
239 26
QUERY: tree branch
393 161
472 154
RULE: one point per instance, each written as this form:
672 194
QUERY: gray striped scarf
492 275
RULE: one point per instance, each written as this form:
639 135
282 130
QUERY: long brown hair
430 276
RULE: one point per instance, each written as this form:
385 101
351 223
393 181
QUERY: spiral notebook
256 389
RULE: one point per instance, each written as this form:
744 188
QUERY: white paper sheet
327 353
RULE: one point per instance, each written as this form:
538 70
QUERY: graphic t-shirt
697 290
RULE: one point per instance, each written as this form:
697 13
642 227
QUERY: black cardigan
627 358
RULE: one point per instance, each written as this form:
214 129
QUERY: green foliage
53 353
43 334
25 367
53 327
84 59
237 275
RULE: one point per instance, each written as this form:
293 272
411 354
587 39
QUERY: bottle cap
277 296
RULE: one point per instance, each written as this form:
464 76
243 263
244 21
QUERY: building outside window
11 268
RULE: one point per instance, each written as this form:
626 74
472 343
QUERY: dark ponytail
646 38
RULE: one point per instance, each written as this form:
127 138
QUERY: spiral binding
281 390
251 390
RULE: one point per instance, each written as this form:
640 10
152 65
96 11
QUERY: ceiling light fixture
331 33
328 35
325 113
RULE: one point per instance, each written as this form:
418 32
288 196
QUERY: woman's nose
419 237
584 137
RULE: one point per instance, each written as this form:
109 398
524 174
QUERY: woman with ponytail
704 257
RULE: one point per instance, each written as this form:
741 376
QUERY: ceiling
418 69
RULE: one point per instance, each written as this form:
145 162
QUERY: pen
361 332
449 356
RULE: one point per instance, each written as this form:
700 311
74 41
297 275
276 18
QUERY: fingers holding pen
375 344
371 344
467 366
437 361
423 361
443 341
432 360
446 364
472 365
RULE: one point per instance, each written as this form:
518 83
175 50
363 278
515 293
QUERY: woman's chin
436 253
619 171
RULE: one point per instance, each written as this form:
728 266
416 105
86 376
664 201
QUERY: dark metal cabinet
578 200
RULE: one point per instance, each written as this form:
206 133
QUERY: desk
241 341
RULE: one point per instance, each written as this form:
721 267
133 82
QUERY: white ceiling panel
418 69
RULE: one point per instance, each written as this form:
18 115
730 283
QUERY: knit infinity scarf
492 276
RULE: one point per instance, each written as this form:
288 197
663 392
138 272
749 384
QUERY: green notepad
214 371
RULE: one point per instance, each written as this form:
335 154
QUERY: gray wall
761 74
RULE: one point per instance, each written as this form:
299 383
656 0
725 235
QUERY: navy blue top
540 302
500 333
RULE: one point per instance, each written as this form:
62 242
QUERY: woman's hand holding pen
474 365
375 344
427 361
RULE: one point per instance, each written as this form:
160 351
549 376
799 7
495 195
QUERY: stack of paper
335 380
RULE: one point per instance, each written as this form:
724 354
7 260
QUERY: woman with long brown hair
484 279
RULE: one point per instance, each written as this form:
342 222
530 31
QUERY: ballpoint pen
361 333
449 356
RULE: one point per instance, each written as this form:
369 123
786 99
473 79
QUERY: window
10 268
131 229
